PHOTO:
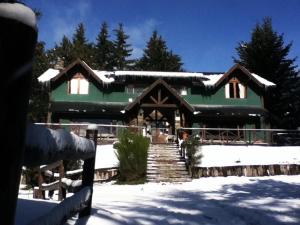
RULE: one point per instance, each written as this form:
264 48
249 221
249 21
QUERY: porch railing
242 136
107 133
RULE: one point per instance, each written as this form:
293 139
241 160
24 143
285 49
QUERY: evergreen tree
63 51
104 49
81 48
38 101
157 57
267 55
122 50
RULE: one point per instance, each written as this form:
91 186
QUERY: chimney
59 64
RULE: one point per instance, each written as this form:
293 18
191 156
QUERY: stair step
166 165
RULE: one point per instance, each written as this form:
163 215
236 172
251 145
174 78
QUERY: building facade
160 100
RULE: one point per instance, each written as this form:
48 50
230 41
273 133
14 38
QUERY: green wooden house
165 100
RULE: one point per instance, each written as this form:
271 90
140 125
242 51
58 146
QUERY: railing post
18 38
89 170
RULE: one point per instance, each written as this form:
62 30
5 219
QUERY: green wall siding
218 98
96 95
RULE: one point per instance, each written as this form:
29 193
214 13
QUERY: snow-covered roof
48 75
159 74
102 75
19 12
108 77
212 79
262 80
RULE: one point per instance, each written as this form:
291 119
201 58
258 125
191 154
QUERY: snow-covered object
65 209
102 76
212 79
226 155
44 146
159 74
48 75
73 172
263 80
18 12
71 185
106 157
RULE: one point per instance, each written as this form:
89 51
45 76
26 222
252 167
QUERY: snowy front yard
215 200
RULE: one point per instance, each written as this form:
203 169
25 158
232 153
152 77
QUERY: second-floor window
78 85
131 89
234 89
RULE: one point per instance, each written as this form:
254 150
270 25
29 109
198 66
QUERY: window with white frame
234 89
78 85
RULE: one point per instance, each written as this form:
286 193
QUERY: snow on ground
207 201
106 157
226 155
221 155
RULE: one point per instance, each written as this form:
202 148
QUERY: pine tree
81 48
103 54
63 51
122 50
38 101
157 57
267 55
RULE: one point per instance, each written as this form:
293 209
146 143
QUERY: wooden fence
81 201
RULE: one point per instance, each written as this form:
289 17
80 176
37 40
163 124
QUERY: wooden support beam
164 100
18 41
159 96
153 99
88 173
148 105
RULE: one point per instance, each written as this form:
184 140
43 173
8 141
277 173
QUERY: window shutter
84 86
242 90
74 86
227 94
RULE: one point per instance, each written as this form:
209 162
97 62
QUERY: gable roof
107 77
151 87
100 77
261 82
54 74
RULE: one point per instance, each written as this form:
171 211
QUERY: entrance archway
161 109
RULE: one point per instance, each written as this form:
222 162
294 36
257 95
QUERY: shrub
132 152
193 153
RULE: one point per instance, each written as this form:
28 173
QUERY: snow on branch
59 214
44 146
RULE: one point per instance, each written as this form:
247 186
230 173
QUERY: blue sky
203 32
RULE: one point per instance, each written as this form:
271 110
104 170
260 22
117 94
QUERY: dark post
17 43
89 170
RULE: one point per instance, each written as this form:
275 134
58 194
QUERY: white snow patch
263 80
212 79
256 200
48 75
106 157
214 200
44 146
19 12
226 155
158 74
102 76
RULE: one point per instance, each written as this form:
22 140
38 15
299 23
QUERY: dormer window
234 89
78 85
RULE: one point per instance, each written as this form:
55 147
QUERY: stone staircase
165 164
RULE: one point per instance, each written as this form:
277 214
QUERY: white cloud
139 35
64 22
